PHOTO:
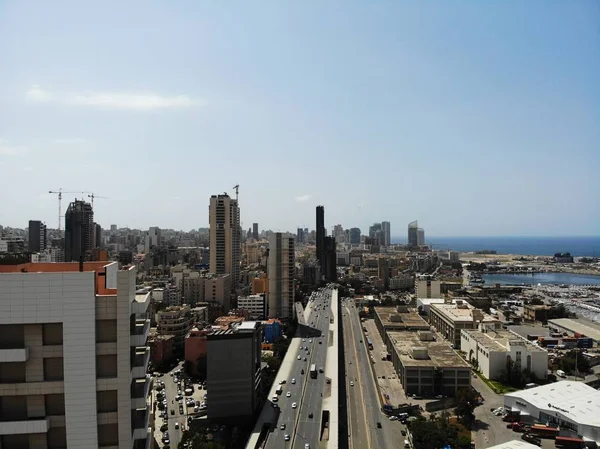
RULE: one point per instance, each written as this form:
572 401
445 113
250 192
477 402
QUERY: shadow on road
480 425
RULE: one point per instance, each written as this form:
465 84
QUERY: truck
313 371
569 443
543 431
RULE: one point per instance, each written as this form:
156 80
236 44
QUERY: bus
369 343
313 371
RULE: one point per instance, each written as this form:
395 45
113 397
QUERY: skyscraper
321 233
329 269
255 231
385 227
224 218
376 234
413 239
354 236
97 236
300 235
38 240
421 237
281 270
79 230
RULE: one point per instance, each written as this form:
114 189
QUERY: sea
534 246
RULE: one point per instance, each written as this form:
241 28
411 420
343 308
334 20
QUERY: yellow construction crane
92 196
60 194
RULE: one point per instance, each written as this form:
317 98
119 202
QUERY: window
56 438
106 331
55 404
52 333
108 435
12 372
13 336
107 401
106 366
54 368
13 408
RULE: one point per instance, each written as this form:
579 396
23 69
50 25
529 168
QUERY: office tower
38 237
281 270
224 218
234 371
255 231
355 236
413 239
421 237
113 228
97 236
321 233
330 258
387 239
338 232
79 230
300 235
384 271
152 239
376 234
74 357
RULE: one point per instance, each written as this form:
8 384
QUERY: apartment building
492 350
218 289
224 218
427 287
234 387
73 357
282 270
176 321
255 305
450 319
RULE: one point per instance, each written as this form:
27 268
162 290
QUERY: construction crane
92 196
237 191
60 194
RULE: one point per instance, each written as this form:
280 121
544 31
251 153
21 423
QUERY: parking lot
177 400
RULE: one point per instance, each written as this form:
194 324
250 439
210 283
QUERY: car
164 427
281 382
176 425
305 359
166 440
310 341
303 340
299 358
321 369
306 446
288 395
320 342
310 415
378 425
293 380
286 437
275 405
351 384
403 432
294 405
282 427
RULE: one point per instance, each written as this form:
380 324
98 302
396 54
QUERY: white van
406 444
561 373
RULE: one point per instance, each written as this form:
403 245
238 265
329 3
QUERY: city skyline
456 108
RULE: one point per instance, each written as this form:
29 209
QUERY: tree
466 401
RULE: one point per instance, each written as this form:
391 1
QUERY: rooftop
439 352
461 311
497 340
586 328
514 444
405 319
574 400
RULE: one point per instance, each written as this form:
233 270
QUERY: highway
364 407
305 392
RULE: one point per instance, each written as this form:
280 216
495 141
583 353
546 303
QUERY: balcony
140 423
141 303
140 357
14 355
24 427
140 388
139 332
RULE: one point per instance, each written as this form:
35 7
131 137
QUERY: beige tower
224 218
281 269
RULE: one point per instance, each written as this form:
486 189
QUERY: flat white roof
586 328
514 444
574 400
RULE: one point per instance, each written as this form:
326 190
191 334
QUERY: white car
299 358
286 437
293 380
351 384
294 405
288 395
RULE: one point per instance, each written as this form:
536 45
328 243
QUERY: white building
424 304
255 305
73 359
573 406
491 350
514 444
427 287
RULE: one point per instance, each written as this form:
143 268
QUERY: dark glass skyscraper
37 236
79 230
413 229
321 233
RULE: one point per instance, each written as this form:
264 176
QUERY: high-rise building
321 233
74 357
281 271
255 231
413 239
152 239
330 258
420 237
224 218
376 234
387 238
79 230
355 236
38 237
97 236
235 388
300 235
113 228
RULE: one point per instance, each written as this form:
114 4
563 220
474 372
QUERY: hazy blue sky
476 118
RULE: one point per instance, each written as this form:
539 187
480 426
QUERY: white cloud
70 141
302 198
12 150
136 101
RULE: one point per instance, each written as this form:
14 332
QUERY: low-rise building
397 319
450 319
538 312
161 348
195 352
572 406
256 305
176 321
496 350
273 330
427 365
217 288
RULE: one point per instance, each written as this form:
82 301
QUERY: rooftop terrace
439 352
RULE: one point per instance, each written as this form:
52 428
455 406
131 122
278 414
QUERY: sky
475 118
